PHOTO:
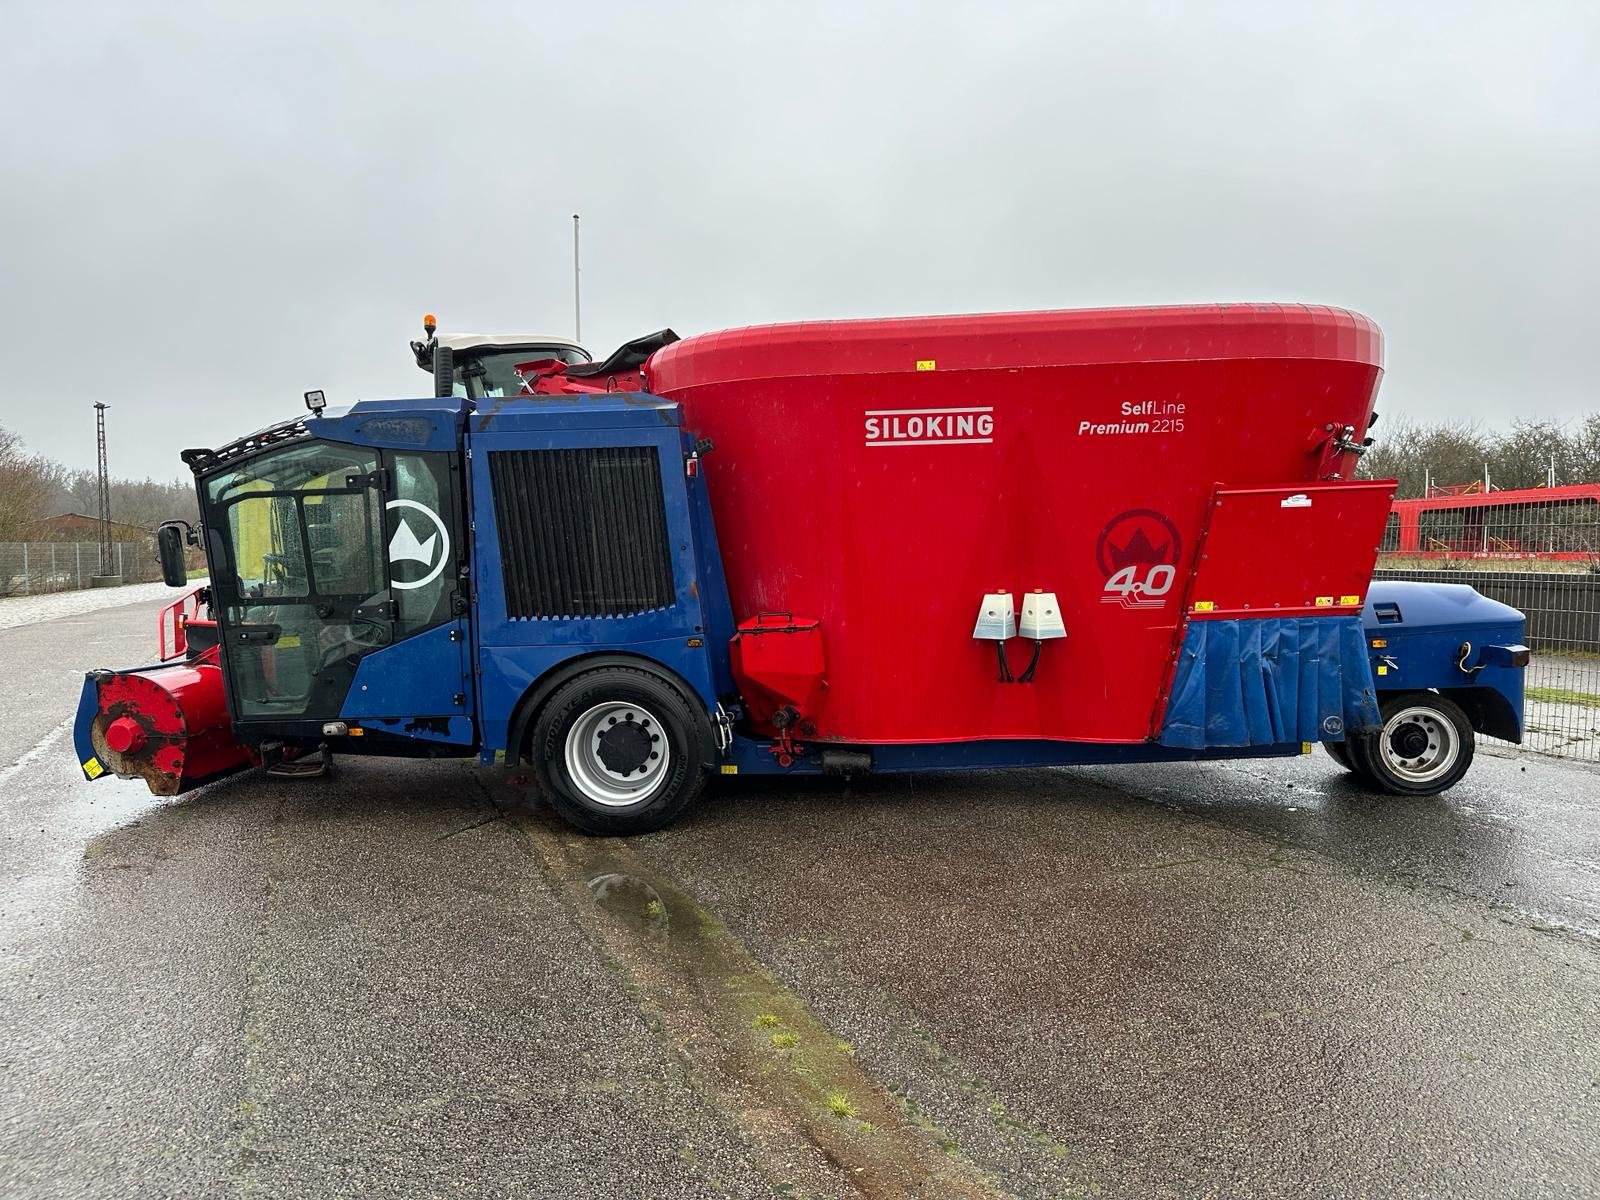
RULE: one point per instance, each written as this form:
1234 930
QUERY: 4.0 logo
1138 553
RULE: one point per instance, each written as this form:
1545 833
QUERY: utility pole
577 308
105 489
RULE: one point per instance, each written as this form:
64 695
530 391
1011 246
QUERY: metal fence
29 568
1563 679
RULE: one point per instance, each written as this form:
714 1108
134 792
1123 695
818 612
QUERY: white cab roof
480 341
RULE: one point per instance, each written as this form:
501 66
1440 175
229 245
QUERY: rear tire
616 751
1424 747
1340 753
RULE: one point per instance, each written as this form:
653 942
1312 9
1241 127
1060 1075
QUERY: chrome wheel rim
1419 744
617 754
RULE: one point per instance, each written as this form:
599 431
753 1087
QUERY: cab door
340 589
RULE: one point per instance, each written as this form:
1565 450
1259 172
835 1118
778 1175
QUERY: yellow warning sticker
1383 669
926 364
289 641
730 768
1205 605
1349 601
1305 747
93 769
1324 601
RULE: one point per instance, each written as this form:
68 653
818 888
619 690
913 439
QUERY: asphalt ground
1243 979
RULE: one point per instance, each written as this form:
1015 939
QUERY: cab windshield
495 374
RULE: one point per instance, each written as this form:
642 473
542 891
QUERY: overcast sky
206 214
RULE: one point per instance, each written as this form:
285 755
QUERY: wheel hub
625 746
616 755
1410 741
1419 745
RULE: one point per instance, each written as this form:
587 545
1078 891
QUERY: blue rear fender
1449 638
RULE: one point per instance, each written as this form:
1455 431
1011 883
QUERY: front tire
1424 747
615 751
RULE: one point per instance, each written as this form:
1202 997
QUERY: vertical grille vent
583 533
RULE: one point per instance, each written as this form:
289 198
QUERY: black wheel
616 752
1424 747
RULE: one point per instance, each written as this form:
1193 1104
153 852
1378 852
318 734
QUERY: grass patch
840 1106
765 1021
785 1041
1553 695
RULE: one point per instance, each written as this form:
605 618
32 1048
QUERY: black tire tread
1362 749
549 728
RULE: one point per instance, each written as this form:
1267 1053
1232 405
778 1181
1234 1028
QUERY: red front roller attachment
167 725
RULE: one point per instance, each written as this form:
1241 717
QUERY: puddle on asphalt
630 899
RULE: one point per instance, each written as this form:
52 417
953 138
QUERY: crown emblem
405 546
1140 537
1138 551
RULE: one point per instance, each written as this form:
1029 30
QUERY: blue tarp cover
1270 681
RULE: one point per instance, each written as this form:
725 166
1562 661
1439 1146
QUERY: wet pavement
1245 979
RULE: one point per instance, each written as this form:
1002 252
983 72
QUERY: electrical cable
1005 667
1033 663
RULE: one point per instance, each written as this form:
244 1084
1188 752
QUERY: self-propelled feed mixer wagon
886 545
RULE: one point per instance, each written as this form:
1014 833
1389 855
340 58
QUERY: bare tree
1454 453
27 485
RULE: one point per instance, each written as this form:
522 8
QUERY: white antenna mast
577 307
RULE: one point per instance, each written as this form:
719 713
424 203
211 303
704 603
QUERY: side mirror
170 541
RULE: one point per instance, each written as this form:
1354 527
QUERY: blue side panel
514 652
1270 681
448 731
421 676
82 741
432 424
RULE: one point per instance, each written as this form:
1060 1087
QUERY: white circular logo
405 546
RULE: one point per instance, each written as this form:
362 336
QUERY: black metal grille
583 533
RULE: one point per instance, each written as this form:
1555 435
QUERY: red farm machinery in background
1548 524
